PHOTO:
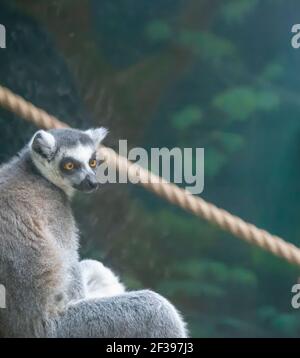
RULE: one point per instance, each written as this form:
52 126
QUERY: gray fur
40 267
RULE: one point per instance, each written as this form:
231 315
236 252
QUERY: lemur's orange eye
69 166
93 163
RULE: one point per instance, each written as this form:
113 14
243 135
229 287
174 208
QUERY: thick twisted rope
161 187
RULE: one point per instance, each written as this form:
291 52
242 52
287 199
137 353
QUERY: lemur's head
68 157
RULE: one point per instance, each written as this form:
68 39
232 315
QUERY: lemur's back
35 257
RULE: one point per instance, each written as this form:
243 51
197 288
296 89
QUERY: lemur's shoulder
24 192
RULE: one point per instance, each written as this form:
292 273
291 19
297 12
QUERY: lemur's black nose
89 183
92 182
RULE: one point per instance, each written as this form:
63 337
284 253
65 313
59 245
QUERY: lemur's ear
43 143
97 134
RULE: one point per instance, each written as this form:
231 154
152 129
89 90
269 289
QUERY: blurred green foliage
240 103
235 11
187 117
206 45
158 31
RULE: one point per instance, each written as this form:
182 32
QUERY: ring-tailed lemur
49 292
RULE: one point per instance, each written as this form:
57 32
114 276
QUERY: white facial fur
48 161
82 153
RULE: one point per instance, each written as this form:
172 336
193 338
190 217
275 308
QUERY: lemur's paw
99 281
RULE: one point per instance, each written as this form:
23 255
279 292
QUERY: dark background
196 73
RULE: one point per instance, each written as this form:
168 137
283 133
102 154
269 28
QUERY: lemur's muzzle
88 184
